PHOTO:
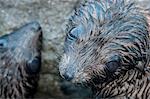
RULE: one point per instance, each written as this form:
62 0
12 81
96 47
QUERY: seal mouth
94 74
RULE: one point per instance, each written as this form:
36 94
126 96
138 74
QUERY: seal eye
75 34
34 66
3 43
112 66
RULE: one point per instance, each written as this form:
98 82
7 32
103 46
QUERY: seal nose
68 76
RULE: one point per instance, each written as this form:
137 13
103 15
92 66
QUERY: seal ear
34 66
112 66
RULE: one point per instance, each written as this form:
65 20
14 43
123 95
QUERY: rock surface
51 14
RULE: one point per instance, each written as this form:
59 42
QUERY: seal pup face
20 60
104 40
23 45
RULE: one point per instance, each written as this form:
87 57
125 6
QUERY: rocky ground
51 14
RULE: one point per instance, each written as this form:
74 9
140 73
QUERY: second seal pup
20 61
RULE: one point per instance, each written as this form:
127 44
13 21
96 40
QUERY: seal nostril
68 76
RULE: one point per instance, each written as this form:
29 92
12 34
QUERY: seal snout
69 74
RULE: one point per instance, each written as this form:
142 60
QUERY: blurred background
52 15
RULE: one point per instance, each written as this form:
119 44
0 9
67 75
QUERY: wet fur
117 31
15 79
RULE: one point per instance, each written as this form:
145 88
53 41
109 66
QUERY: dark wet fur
107 48
17 80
